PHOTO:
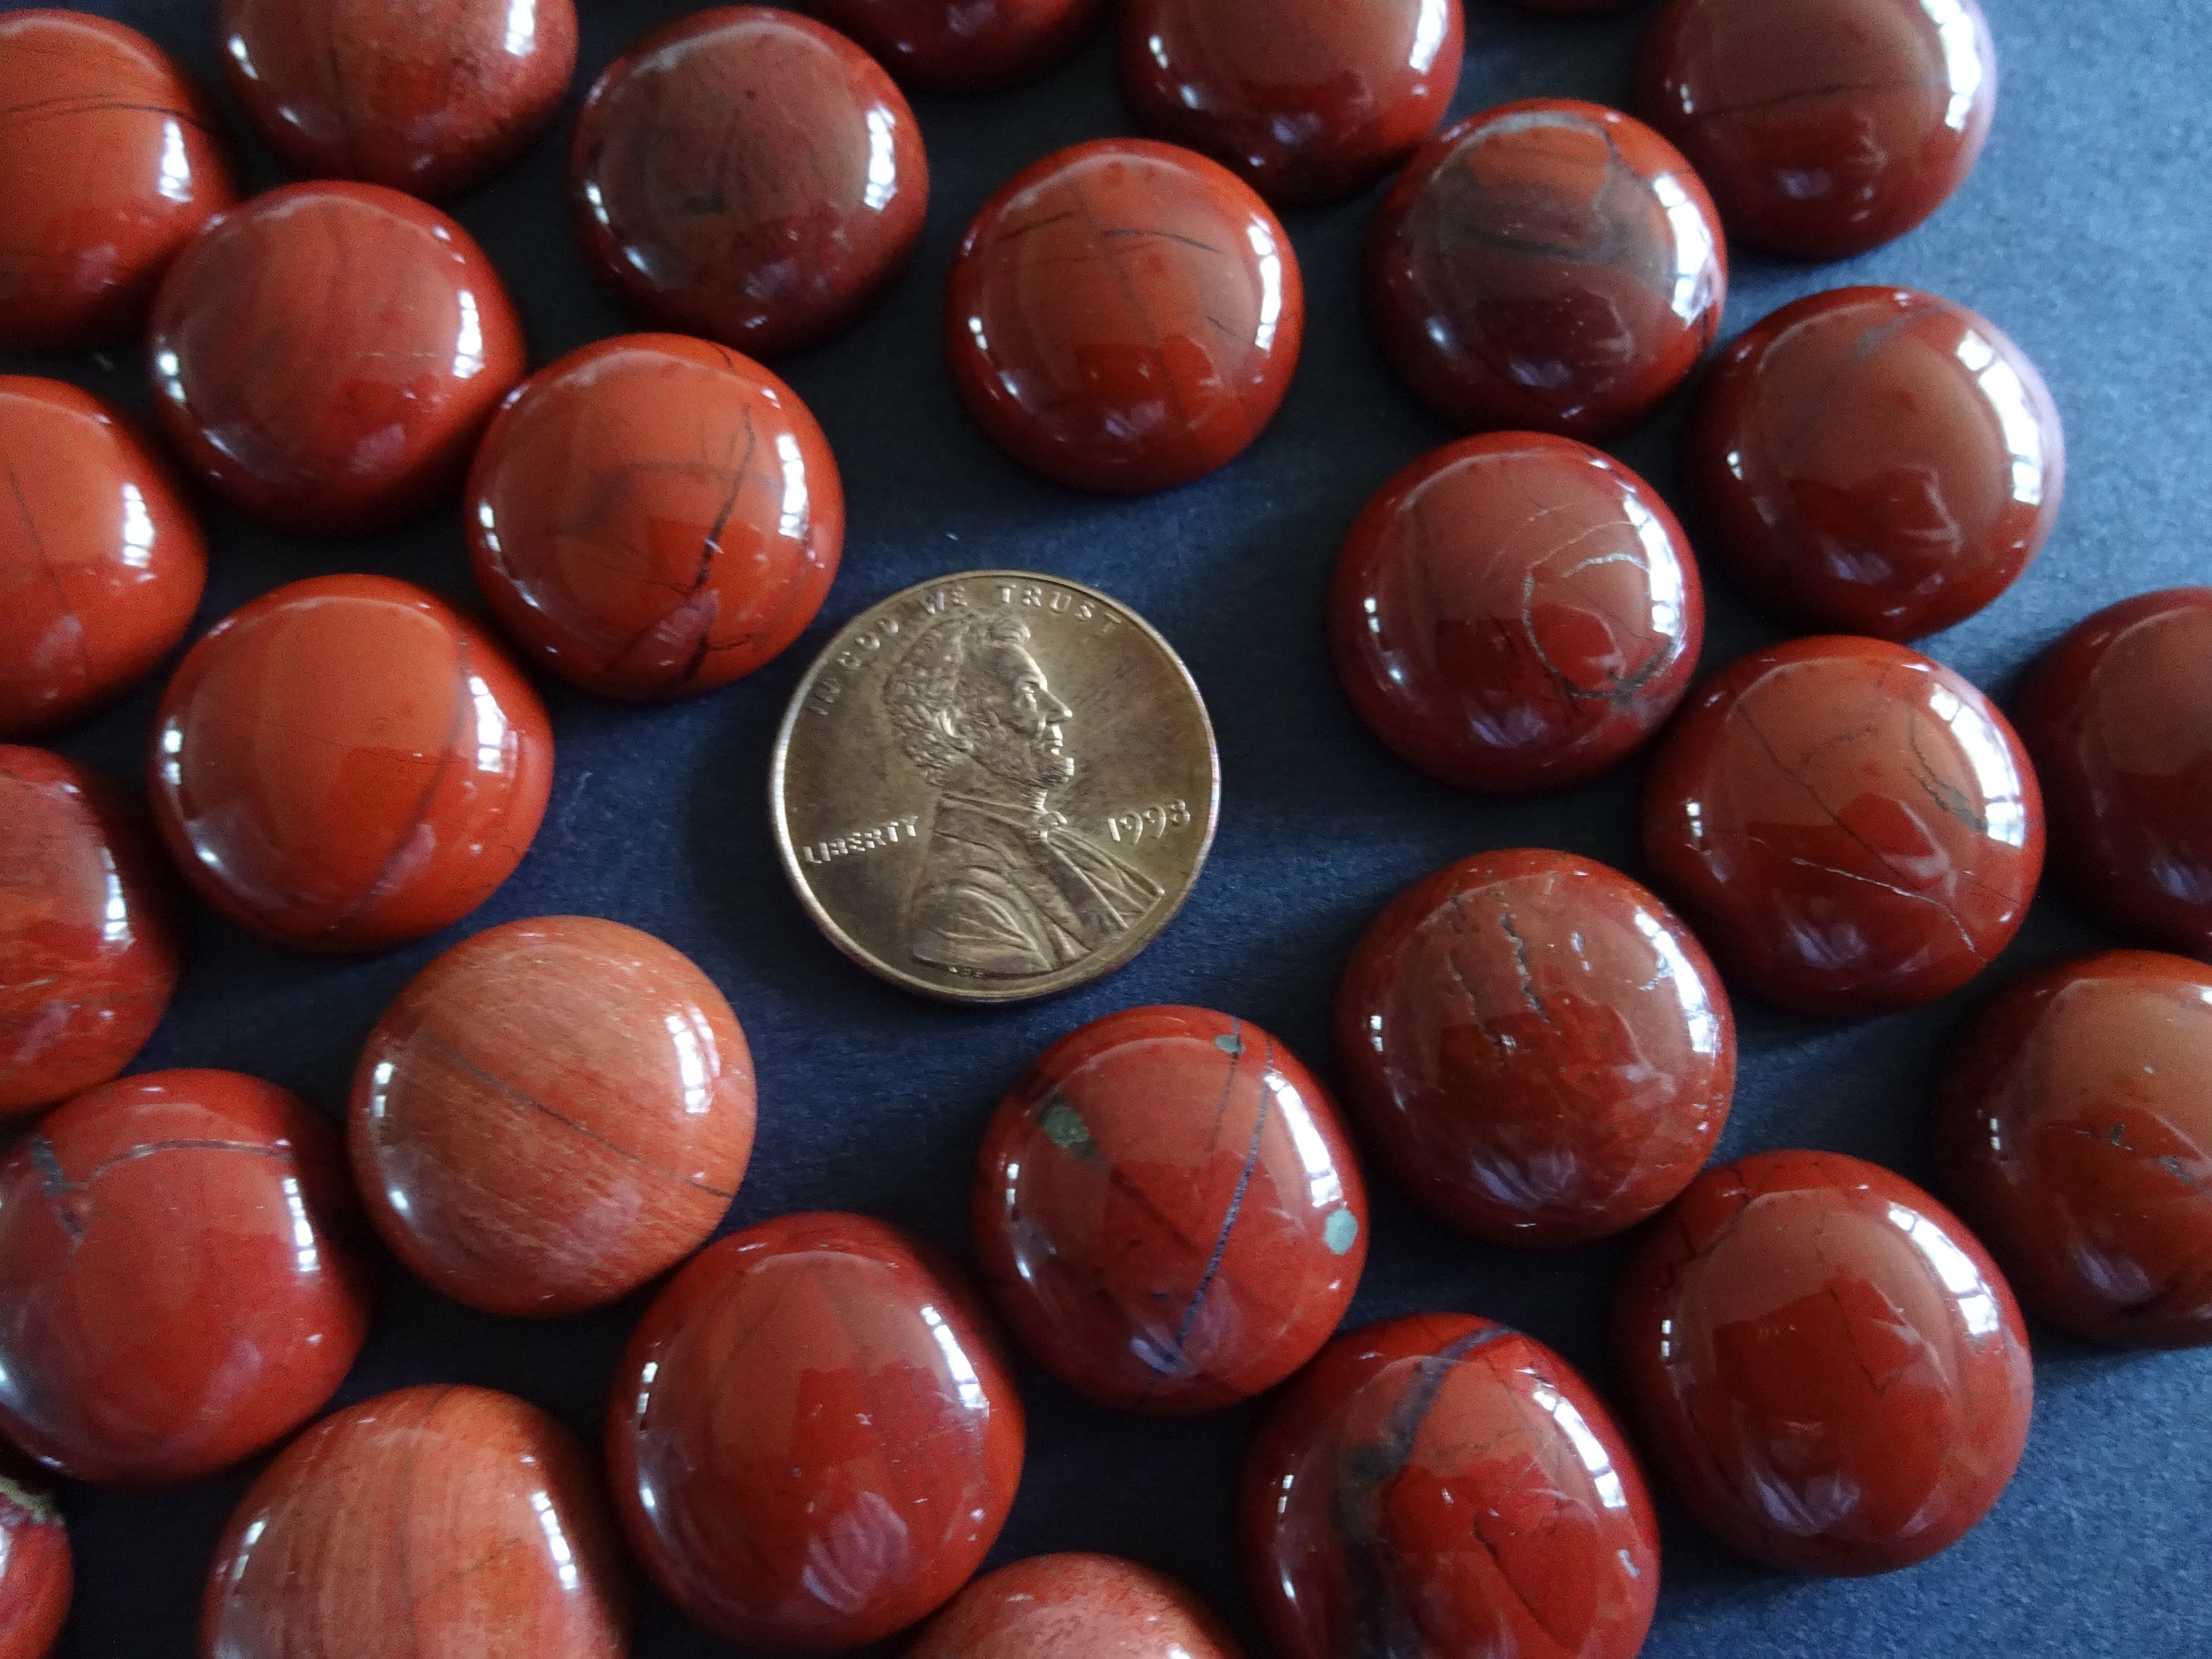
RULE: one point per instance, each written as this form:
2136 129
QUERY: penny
995 786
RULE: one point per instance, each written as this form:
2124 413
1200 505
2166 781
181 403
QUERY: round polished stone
1123 316
749 175
2074 1130
325 357
36 1571
1537 1046
858 1477
1439 1485
550 1114
88 937
1875 460
1848 826
1167 1211
347 762
963 45
1514 612
1827 129
431 1520
1304 101
1550 265
654 516
100 562
2117 714
1074 1606
1826 1366
428 96
180 1282
109 160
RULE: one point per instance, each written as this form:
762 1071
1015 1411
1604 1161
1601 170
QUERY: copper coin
995 786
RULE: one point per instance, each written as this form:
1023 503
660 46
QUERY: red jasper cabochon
181 1281
347 762
2074 1129
1123 316
1551 265
1074 1606
1515 613
1441 1484
1167 1211
2117 714
811 1440
434 1520
963 45
1537 1046
1824 1365
1848 826
36 1576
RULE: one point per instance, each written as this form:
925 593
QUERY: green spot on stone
1340 1231
1229 1044
1065 1127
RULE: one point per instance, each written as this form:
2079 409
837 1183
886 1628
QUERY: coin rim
1098 965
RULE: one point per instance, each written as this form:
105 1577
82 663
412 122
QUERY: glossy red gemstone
325 357
749 175
2118 716
109 160
88 939
347 762
550 1114
1875 460
1549 265
1826 1366
1305 101
1848 826
1538 1048
855 1480
1827 129
180 1284
434 1520
963 45
654 516
1515 613
35 1574
1123 316
101 563
1059 1606
1441 1484
2074 1130
428 96
1167 1212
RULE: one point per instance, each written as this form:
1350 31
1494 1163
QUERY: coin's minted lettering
891 832
1150 824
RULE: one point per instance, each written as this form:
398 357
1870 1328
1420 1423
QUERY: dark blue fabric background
2083 234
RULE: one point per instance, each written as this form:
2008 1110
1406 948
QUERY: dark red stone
429 96
654 516
749 175
1875 460
1576 8
434 1520
1439 1485
1167 1211
1548 265
101 563
1824 1365
2074 1130
2118 716
1123 316
327 356
347 762
1074 1606
180 1284
1538 1049
1848 826
552 1112
963 45
857 1476
1305 101
109 160
35 1575
1827 128
1515 613
88 941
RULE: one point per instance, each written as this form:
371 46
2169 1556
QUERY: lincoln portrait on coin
1007 889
